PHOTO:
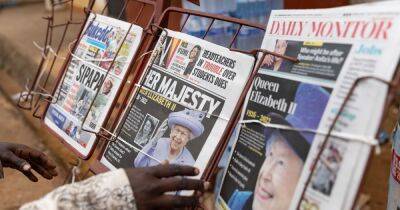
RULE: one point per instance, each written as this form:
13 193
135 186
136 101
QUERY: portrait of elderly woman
194 55
185 126
285 154
146 130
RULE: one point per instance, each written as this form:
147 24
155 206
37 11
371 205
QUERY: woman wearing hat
185 125
285 154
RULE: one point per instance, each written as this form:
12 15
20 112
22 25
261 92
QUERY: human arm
26 159
140 189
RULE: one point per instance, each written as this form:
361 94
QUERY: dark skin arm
26 159
151 183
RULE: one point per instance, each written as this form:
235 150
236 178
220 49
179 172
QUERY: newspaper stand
51 96
138 67
212 168
164 22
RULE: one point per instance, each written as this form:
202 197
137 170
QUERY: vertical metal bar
35 80
105 7
235 36
139 13
184 22
57 52
71 11
208 29
54 60
123 9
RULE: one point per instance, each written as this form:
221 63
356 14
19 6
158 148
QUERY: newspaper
86 81
291 106
183 104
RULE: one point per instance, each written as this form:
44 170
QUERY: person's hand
24 159
160 131
150 185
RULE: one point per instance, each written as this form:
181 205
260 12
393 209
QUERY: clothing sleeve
110 190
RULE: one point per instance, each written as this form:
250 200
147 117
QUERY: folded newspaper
90 84
182 105
291 107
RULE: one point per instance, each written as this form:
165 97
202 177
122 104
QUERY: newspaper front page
182 106
270 163
103 38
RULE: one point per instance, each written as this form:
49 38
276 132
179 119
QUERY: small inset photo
146 130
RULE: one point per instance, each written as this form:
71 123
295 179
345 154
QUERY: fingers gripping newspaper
273 147
182 106
86 81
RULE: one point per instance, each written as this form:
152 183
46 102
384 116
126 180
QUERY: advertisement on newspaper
83 99
334 48
182 105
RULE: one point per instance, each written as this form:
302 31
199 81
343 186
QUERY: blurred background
22 36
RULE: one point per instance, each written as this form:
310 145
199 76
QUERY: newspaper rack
97 166
212 168
27 101
40 109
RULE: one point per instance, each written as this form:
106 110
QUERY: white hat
190 119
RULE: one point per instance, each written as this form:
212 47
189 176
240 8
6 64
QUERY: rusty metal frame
61 75
26 100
